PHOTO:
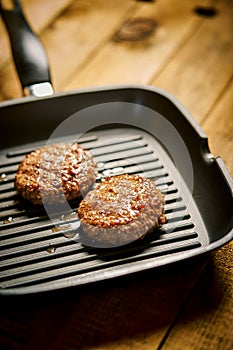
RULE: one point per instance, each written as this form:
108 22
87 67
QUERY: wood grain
218 125
76 35
137 62
205 322
88 25
201 69
39 15
132 313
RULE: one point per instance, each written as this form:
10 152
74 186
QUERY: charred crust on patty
122 209
54 173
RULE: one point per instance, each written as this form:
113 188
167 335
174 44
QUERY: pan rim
144 87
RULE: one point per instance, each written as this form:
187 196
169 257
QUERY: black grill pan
128 129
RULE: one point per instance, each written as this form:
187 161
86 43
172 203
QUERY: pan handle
28 52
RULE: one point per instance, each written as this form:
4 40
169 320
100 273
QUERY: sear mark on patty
122 209
54 173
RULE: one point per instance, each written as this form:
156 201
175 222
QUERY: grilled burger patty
122 209
50 173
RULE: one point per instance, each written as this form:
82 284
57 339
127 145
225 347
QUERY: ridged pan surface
42 253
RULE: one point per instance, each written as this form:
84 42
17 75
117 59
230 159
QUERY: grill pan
129 129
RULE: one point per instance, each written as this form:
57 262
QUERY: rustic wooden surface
191 56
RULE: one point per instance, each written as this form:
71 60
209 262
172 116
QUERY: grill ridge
25 259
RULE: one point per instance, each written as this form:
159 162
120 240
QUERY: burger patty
52 174
122 209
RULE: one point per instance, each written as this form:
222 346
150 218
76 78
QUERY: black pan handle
28 52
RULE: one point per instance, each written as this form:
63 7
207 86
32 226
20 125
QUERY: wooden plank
205 323
136 62
9 83
133 313
219 127
74 36
7 68
40 13
201 69
88 24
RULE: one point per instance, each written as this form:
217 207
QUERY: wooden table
186 48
